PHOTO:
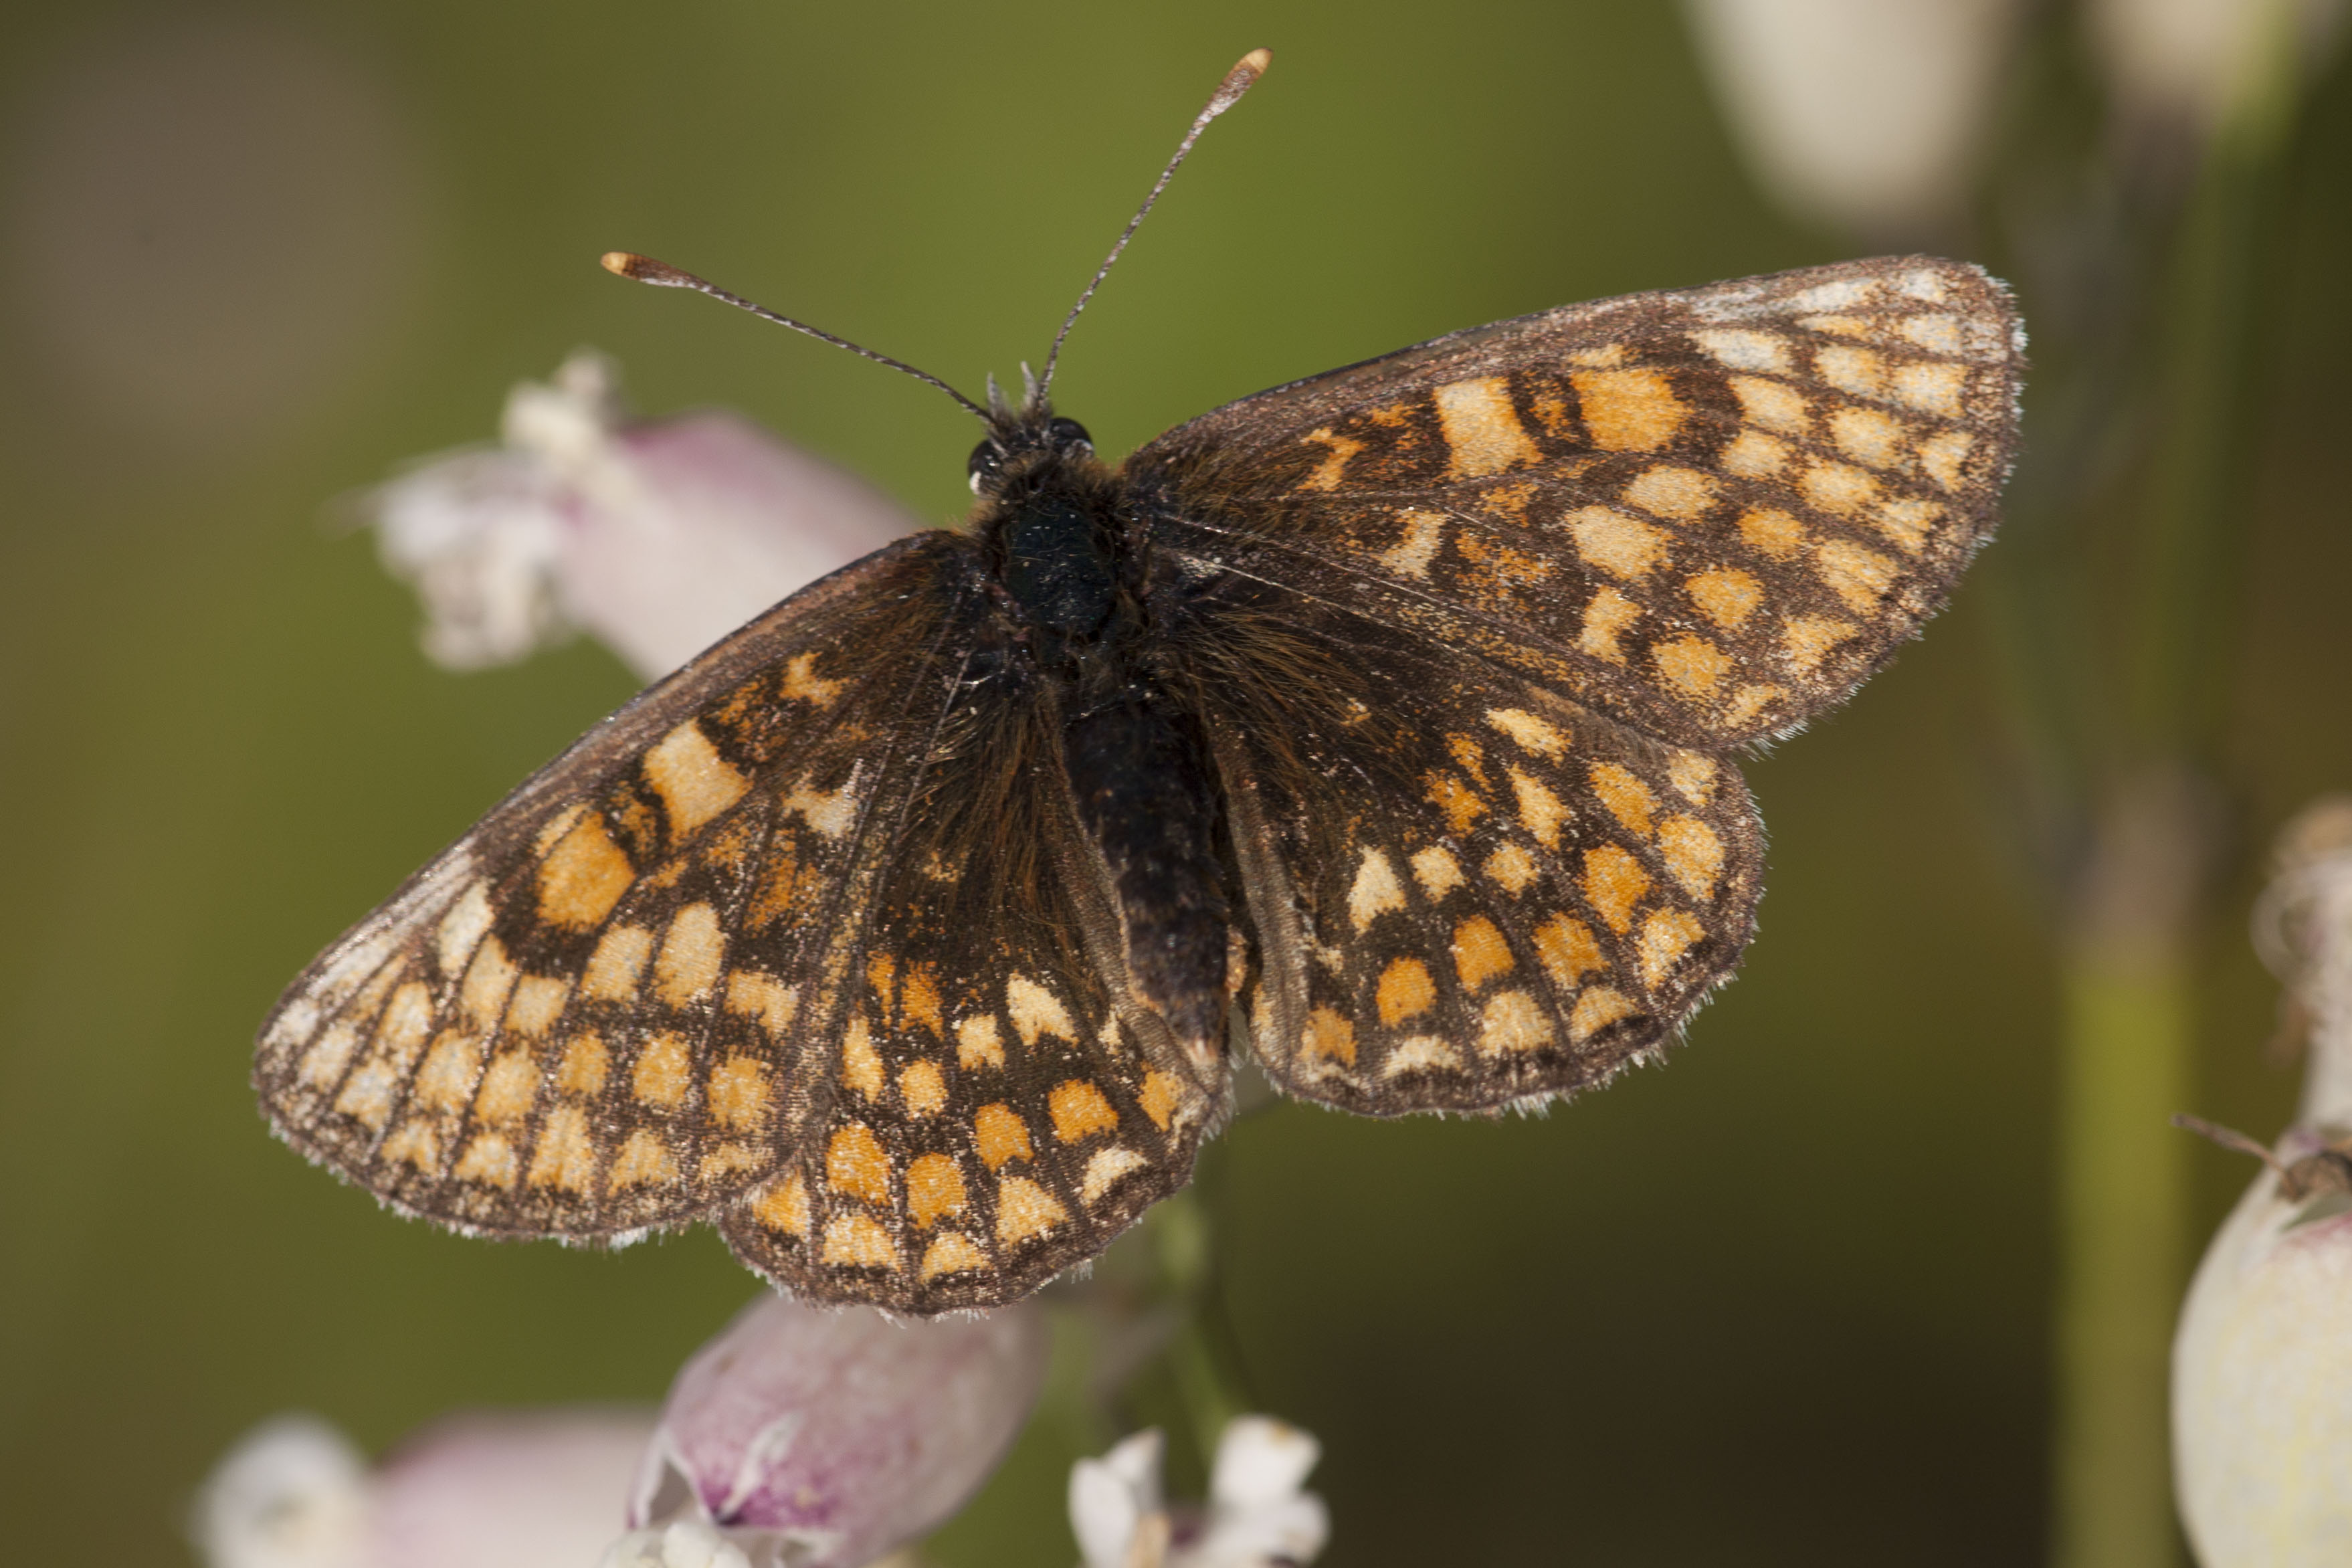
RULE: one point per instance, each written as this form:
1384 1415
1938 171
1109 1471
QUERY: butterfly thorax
1070 571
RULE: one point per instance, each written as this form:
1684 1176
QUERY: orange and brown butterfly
1380 725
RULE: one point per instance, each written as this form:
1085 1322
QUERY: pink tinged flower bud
828 1438
1864 115
657 537
1258 1515
2261 1365
537 1489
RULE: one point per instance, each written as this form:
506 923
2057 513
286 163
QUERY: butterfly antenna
2228 1137
1238 81
662 275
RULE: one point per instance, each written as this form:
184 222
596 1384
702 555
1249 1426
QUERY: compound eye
983 464
1070 433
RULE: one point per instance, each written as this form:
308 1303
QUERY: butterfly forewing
1708 513
616 1002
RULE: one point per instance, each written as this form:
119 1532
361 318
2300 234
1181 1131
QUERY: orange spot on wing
583 877
1405 991
1079 1111
1480 954
934 1189
855 1164
1628 410
1000 1135
1613 883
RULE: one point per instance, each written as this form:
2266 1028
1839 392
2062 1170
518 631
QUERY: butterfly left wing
600 1010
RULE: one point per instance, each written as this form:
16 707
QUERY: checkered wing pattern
1708 514
1002 1107
615 1003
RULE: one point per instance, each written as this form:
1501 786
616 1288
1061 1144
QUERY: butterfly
1380 725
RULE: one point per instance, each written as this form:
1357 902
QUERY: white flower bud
1864 115
1257 1516
2208 62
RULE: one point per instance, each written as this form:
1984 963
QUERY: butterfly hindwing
1708 513
602 1008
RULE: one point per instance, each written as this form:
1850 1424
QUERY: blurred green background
1786 1300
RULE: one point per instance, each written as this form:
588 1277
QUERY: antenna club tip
1240 80
644 268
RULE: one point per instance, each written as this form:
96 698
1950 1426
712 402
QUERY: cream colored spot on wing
922 1087
1943 456
465 923
445 1082
1079 1111
1532 734
1424 532
1692 775
1619 545
934 1189
329 1054
583 876
1628 410
1596 1010
1842 326
1683 494
1328 1037
857 1241
740 1093
952 1252
977 1043
722 1161
1909 523
752 994
1567 951
489 980
1749 702
414 1143
1480 954
509 1087
1840 294
1772 404
1606 616
1693 665
1936 332
1613 883
616 965
999 1135
1376 891
1106 1169
1025 1211
1437 871
1036 1011
687 967
566 1154
644 1160
1809 638
583 1066
1628 800
1405 991
1511 869
1753 454
1737 349
1693 854
663 1073
1514 1022
1850 369
861 1064
1667 935
803 684
1162 1094
1421 1053
1839 488
1482 433
1932 388
783 1205
1924 284
1869 437
856 1163
538 1002
1329 472
1727 595
1771 531
1540 811
1450 793
694 783
1857 575
830 811
490 1160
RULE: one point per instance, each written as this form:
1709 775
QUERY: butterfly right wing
610 1005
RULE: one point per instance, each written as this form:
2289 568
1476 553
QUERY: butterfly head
1021 446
